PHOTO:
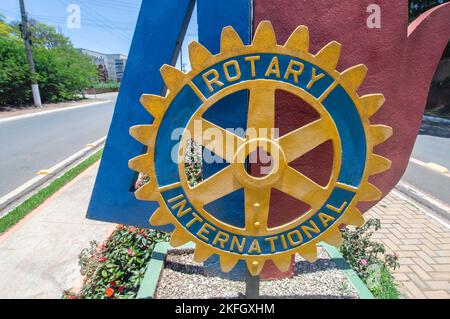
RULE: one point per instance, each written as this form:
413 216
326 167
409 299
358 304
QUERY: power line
102 23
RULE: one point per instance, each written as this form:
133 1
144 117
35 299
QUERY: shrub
62 71
370 260
115 269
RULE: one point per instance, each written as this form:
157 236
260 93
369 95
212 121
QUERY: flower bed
114 269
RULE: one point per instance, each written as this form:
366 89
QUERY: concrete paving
39 257
422 242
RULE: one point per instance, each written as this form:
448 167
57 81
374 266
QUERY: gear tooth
299 39
202 253
173 78
147 192
368 193
353 78
379 134
333 237
328 56
282 261
154 104
264 36
198 55
230 40
255 266
371 103
142 133
378 164
141 163
308 252
160 217
228 262
179 238
352 217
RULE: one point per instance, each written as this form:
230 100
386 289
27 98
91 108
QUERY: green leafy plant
370 260
112 85
115 269
63 71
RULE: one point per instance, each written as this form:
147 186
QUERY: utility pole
27 40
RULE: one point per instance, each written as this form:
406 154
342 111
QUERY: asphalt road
430 149
28 145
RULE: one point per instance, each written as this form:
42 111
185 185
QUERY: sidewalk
39 257
422 243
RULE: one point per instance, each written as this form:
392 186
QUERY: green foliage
5 29
370 261
14 83
63 72
42 35
106 85
417 7
115 269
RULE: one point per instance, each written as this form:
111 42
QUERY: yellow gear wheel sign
261 69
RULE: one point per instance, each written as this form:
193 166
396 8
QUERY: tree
42 35
63 72
5 29
14 83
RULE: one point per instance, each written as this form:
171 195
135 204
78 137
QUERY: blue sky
106 25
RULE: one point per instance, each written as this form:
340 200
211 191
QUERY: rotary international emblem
260 69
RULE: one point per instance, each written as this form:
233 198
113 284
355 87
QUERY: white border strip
34 114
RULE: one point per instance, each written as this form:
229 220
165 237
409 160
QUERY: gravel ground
182 278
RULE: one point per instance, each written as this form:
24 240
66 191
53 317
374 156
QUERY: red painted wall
401 60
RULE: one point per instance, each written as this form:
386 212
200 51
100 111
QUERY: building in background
111 65
116 66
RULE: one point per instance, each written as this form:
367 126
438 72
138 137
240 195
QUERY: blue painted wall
158 29
212 17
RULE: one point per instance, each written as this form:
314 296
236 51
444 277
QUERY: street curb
424 199
154 269
20 194
155 266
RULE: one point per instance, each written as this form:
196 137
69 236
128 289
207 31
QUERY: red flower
109 292
141 231
112 283
121 288
130 252
73 297
103 259
132 230
120 227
